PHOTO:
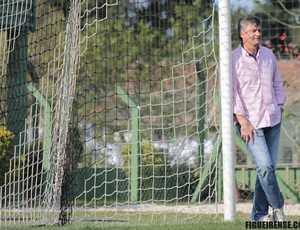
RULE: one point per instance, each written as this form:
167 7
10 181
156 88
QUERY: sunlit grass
198 222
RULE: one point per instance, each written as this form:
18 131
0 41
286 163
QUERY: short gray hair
246 21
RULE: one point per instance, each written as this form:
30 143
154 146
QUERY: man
258 99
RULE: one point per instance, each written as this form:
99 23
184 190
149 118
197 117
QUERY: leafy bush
159 180
150 159
6 151
150 166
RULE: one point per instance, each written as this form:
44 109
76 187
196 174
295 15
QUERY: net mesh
121 114
110 110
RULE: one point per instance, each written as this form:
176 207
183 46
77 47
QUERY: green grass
204 222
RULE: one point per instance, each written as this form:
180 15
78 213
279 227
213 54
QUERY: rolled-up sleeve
278 87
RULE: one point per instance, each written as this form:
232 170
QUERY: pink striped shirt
258 91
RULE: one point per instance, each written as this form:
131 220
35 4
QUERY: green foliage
150 159
6 151
153 170
118 43
42 44
150 166
137 51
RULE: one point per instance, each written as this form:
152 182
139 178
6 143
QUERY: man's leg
273 139
260 209
266 173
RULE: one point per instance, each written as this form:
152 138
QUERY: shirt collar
244 52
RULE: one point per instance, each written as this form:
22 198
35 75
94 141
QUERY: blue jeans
264 152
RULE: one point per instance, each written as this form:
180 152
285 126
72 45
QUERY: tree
136 45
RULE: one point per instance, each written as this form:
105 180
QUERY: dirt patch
244 207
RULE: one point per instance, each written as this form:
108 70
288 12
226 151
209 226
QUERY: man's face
251 35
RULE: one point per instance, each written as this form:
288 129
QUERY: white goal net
110 111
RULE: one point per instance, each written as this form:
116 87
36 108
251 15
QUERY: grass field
204 222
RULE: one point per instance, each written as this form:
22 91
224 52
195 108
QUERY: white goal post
228 148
